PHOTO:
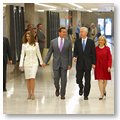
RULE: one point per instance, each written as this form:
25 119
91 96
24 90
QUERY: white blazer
30 55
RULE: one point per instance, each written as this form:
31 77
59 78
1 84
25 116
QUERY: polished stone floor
15 99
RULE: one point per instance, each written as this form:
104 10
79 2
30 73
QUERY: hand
10 62
93 66
21 68
109 69
74 59
69 67
43 65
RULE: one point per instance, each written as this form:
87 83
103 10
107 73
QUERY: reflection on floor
15 99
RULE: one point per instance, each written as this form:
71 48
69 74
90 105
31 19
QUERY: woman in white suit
29 61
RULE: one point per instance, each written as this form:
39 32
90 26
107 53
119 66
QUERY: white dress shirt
84 40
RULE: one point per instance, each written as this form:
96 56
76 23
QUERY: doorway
105 26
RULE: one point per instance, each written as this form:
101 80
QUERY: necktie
61 45
83 44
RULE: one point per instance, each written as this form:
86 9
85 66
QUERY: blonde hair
104 38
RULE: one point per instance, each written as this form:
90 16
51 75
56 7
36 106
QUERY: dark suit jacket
41 38
6 50
85 58
60 59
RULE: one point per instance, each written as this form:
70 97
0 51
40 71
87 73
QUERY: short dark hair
38 25
59 30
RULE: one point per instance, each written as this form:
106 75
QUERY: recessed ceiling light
94 9
45 5
40 10
75 5
52 9
89 10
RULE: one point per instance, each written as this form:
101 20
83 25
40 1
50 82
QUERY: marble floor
15 99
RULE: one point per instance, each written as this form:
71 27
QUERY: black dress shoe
85 98
5 90
80 92
57 93
62 97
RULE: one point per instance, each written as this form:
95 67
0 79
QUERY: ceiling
97 7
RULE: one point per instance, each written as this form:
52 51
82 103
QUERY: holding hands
43 65
21 69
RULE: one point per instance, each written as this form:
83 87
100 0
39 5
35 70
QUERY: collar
60 38
84 39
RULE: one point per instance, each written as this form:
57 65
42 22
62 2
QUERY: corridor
15 99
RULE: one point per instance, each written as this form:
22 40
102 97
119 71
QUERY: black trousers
4 74
79 79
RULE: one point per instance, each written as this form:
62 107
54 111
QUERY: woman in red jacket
103 65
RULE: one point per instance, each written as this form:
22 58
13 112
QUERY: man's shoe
62 97
85 98
5 90
80 92
57 93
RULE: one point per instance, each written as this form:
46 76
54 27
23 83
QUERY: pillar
29 13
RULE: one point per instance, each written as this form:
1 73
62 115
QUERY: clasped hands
44 64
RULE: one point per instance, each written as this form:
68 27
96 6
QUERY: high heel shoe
29 97
100 98
33 97
104 93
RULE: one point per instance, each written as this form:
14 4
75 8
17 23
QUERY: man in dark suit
84 55
62 60
41 38
6 56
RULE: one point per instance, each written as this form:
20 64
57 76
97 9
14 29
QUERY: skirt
30 71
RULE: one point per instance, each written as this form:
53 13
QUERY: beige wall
76 20
29 14
88 18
